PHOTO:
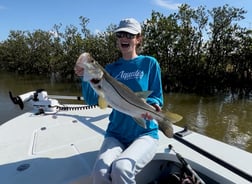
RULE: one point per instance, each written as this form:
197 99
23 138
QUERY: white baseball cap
129 25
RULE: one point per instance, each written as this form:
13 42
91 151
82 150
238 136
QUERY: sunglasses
125 35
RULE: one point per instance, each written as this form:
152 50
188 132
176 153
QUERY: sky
30 15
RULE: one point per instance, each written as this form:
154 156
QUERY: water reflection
198 119
235 117
226 118
233 135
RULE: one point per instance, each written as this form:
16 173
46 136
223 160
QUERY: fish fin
143 94
173 117
141 122
102 102
166 128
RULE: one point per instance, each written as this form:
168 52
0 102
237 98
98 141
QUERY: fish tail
166 127
173 117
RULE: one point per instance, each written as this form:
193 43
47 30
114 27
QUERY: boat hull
61 148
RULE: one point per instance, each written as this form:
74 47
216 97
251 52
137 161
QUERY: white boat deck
61 148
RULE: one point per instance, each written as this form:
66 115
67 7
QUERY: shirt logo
138 74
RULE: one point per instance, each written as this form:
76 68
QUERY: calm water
225 118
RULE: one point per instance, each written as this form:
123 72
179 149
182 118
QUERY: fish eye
92 61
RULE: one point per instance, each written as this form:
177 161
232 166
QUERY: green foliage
198 50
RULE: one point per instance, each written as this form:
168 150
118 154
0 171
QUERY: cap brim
127 30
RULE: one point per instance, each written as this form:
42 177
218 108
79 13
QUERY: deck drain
23 167
74 121
43 128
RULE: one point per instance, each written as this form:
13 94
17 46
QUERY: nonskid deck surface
61 148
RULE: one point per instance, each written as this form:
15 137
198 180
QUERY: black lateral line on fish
129 101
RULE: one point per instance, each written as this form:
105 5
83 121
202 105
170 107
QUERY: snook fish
122 98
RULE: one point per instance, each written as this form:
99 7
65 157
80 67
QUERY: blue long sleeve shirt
140 74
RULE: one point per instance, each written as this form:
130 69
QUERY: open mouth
95 81
125 45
